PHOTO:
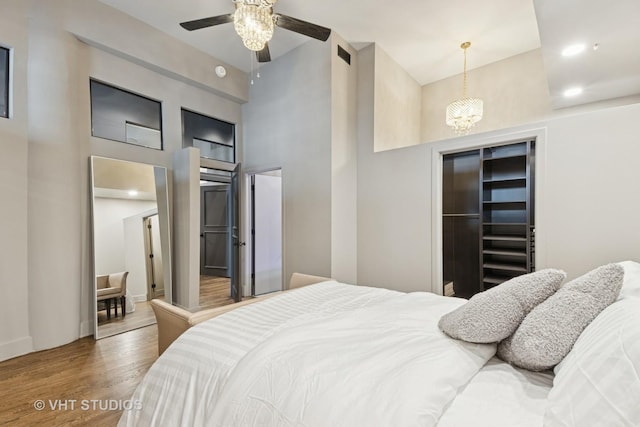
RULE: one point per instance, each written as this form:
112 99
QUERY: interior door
234 229
266 232
155 280
215 230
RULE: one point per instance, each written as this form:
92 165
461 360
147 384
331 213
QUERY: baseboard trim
139 298
86 328
15 348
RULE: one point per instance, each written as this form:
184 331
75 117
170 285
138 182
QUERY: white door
267 232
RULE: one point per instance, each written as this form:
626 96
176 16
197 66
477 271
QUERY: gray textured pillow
547 334
493 315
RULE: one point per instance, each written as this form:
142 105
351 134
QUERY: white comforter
325 355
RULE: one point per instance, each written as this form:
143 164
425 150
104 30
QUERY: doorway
488 220
266 232
219 238
153 255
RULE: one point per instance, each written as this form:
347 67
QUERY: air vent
346 56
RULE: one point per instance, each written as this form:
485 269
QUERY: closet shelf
505 202
517 224
504 238
506 156
512 180
504 266
504 252
495 280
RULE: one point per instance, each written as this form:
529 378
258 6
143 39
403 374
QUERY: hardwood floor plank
215 291
107 371
142 316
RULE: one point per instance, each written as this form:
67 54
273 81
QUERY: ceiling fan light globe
254 24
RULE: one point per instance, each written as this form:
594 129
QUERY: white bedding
500 395
326 354
385 364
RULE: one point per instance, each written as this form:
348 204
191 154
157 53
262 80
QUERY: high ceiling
424 36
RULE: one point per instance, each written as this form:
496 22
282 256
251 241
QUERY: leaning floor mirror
131 253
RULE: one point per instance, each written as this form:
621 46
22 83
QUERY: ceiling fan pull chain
251 75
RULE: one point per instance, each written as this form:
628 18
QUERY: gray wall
287 124
45 249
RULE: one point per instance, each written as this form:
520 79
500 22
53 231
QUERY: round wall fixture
221 71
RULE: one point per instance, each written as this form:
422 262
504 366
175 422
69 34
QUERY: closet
488 217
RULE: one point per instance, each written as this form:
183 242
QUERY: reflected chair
112 287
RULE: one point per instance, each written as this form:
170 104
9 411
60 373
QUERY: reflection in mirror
130 243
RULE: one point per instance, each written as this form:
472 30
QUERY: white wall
109 217
393 215
46 145
514 92
344 164
268 233
396 105
186 223
593 189
135 254
15 337
56 181
287 125
589 205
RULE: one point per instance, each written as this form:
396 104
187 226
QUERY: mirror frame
162 191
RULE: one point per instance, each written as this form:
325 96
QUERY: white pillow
548 332
597 384
631 281
493 315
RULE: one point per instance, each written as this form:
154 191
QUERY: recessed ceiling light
573 49
133 193
574 91
221 71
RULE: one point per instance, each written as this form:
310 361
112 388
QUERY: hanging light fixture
463 113
253 21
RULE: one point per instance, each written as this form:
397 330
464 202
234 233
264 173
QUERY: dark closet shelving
488 222
506 209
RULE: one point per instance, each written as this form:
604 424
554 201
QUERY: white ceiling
611 71
424 36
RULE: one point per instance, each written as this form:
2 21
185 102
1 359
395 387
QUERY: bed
335 354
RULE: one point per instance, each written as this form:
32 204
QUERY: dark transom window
124 116
215 138
4 82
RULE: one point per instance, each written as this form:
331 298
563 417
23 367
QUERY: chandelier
253 21
463 113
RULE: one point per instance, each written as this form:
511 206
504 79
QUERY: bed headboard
298 280
173 321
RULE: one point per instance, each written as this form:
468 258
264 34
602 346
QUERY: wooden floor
106 371
71 379
215 291
142 316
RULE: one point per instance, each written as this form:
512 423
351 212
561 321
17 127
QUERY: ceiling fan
254 22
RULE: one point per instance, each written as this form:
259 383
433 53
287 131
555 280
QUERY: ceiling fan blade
302 27
264 55
207 22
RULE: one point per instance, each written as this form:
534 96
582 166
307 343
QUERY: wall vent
346 56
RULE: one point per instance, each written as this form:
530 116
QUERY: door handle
239 244
201 234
